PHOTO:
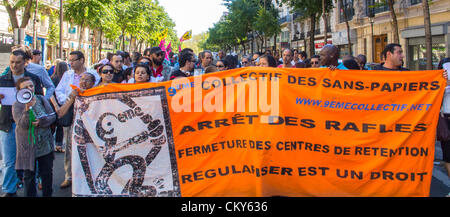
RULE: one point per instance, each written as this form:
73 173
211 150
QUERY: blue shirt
42 73
340 66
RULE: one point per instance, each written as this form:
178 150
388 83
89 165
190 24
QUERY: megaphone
24 96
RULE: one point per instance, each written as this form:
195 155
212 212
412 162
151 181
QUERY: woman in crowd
128 73
230 62
267 61
60 69
106 73
144 60
211 69
220 64
142 73
34 140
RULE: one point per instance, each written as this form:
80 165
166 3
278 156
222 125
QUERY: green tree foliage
141 21
266 23
13 6
245 18
85 13
53 30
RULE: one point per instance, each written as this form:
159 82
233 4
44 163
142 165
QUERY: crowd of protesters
31 165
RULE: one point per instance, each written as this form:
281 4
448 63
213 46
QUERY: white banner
122 145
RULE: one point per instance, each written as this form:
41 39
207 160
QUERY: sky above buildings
198 15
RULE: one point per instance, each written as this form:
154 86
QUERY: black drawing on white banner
106 130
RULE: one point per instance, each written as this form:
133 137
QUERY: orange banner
273 132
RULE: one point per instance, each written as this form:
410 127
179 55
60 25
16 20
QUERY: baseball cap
36 52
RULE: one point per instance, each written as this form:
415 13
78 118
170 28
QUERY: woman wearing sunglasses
220 64
107 73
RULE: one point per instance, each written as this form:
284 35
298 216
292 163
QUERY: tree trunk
140 46
257 44
312 35
81 34
427 24
12 14
348 28
94 46
274 44
252 45
261 47
394 20
34 26
100 46
27 14
325 21
265 41
123 39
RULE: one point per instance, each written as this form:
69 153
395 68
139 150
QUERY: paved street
440 184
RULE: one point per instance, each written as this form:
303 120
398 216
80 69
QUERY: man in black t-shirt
187 63
393 55
117 63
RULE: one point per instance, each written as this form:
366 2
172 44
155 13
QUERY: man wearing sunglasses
161 72
246 62
315 61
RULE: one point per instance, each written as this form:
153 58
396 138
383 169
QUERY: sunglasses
220 66
314 62
244 62
108 71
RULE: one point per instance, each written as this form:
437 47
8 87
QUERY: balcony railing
43 30
285 19
296 15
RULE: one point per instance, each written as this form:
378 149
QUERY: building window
285 36
378 6
348 9
417 52
414 2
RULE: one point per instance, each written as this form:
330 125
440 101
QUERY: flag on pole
164 34
162 44
168 50
186 36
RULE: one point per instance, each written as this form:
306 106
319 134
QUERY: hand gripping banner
260 132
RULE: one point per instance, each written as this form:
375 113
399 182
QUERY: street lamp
371 16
